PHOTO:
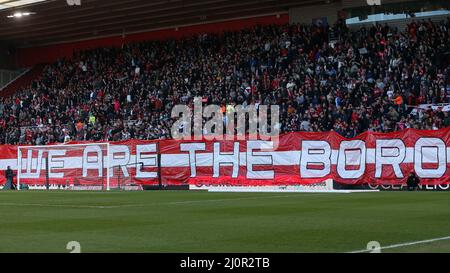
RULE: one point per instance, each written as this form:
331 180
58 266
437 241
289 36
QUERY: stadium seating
370 79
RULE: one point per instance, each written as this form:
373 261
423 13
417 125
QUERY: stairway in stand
22 81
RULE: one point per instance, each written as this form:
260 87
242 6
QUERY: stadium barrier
299 158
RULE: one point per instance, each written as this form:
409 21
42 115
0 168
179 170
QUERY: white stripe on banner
8 162
280 158
283 158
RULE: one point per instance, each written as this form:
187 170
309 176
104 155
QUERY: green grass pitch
187 221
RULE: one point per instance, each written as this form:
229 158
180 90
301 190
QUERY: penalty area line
403 244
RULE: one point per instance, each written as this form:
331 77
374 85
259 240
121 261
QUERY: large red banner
296 158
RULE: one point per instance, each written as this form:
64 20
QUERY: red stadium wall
27 57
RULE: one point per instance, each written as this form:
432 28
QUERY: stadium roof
7 4
54 21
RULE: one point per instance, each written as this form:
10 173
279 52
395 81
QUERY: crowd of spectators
369 79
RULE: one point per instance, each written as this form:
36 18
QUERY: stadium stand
370 79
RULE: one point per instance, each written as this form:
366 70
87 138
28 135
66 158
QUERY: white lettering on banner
259 158
57 163
192 148
430 150
389 152
119 156
351 153
315 152
29 164
148 160
92 162
226 159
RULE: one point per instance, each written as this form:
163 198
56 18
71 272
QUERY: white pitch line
232 199
68 206
404 244
152 204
